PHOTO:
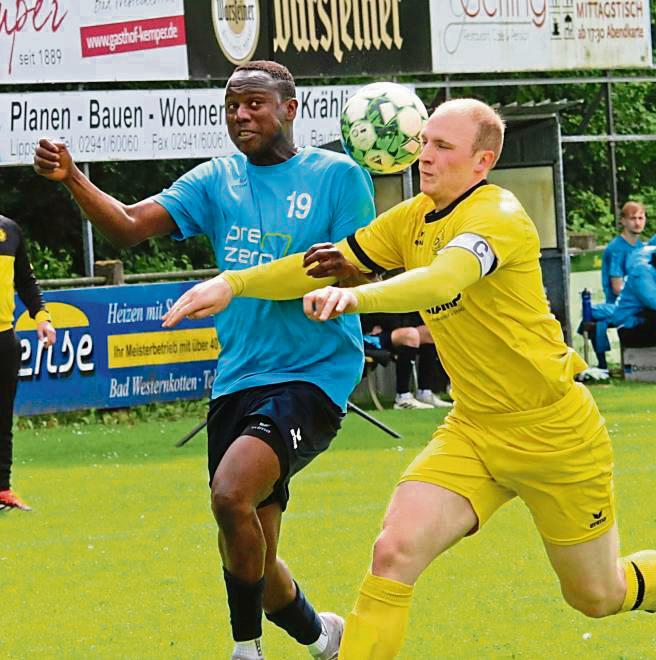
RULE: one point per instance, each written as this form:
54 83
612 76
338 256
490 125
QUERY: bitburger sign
312 37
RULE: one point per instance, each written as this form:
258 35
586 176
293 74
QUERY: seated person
635 312
614 265
409 344
614 268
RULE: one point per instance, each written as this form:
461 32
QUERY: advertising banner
313 38
112 352
483 36
147 124
92 40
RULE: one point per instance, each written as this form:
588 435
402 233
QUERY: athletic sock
298 619
249 650
376 626
405 355
427 368
640 571
245 604
320 645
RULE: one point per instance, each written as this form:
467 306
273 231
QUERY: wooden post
111 270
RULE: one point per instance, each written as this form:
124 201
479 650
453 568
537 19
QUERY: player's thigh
451 461
563 470
247 471
587 567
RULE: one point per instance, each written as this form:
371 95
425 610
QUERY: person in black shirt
16 276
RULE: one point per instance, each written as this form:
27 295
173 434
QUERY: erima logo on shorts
296 436
599 519
479 247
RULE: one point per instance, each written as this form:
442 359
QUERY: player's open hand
330 262
204 299
329 303
53 161
46 333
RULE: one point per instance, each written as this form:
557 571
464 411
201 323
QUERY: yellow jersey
502 348
16 276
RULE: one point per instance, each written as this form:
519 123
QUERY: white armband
479 247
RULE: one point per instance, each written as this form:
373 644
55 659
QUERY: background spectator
16 275
635 313
408 339
614 261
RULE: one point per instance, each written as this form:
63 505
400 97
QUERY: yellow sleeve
42 315
504 224
377 247
450 273
283 279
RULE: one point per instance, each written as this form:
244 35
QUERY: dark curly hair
278 72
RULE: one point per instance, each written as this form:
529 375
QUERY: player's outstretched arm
450 273
283 279
123 225
202 300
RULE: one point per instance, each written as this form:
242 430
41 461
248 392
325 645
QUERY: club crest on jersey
3 235
437 243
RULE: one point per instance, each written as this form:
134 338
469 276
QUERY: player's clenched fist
202 300
53 161
329 303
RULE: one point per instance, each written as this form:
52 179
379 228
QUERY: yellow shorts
558 459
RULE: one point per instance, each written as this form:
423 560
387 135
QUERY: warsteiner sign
311 37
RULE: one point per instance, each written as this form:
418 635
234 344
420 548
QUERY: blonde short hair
632 207
491 127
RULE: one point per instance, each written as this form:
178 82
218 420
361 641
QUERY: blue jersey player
282 381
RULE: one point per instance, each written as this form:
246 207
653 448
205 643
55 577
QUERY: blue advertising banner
112 352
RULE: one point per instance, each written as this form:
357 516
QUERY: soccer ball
381 125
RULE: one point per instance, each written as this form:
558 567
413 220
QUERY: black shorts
304 419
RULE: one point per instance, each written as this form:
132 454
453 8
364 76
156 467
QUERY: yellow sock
376 626
640 571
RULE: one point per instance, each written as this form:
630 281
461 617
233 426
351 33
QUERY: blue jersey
255 214
615 263
639 292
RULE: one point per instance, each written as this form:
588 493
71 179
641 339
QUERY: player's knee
229 506
594 602
391 551
406 337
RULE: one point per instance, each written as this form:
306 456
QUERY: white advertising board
483 36
92 40
147 124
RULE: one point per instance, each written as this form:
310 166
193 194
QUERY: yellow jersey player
521 426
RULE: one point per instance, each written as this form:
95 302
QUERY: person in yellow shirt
520 426
16 275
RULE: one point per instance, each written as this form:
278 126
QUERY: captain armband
479 247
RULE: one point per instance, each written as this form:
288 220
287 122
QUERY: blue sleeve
188 203
643 279
616 264
355 202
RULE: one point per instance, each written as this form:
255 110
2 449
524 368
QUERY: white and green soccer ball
381 126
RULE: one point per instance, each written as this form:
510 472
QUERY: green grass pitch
118 559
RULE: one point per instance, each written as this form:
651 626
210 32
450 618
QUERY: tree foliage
53 224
